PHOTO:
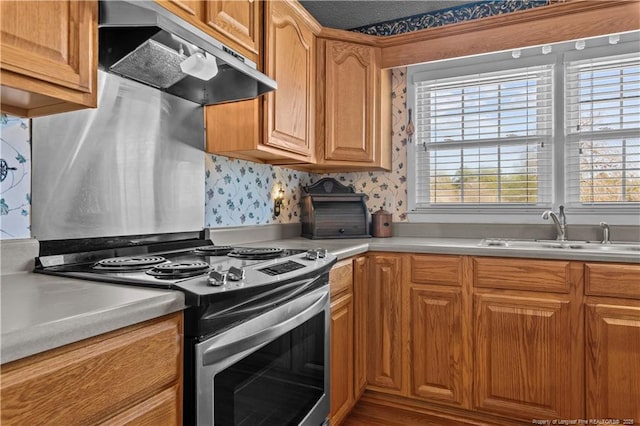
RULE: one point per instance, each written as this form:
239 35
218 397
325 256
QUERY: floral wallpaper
240 192
15 177
466 12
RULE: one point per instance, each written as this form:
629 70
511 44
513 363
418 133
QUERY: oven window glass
278 384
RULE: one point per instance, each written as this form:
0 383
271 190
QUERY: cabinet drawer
341 278
438 270
612 279
522 274
86 382
159 410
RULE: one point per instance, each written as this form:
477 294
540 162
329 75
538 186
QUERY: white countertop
41 312
344 248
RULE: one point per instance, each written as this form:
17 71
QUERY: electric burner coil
214 250
256 253
131 263
172 270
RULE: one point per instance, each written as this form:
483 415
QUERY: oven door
270 370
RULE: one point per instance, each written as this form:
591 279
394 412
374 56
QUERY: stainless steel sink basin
562 245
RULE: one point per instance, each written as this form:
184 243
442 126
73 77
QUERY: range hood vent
142 41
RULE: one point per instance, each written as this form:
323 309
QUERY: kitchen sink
562 245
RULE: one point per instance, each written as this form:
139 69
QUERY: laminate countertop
344 248
41 312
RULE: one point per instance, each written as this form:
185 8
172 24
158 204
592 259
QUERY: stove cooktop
200 272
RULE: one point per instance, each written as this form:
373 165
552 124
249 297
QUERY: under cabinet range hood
143 41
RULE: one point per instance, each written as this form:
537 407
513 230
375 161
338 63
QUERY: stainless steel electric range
257 326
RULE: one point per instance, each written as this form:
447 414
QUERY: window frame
504 213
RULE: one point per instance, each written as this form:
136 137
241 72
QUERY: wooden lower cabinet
360 287
342 341
342 394
522 356
128 376
438 322
613 359
498 341
612 329
384 334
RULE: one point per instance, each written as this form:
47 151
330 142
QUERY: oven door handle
276 327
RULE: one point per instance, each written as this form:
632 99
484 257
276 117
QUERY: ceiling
348 14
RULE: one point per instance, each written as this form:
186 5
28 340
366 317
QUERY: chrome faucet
606 232
560 222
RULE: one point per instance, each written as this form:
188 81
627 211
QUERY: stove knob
322 253
311 255
217 278
235 274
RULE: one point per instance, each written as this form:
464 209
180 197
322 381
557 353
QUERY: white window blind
603 130
485 139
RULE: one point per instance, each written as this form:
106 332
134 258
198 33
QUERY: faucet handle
606 232
561 214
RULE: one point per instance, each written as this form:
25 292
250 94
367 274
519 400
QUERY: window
486 138
517 134
603 130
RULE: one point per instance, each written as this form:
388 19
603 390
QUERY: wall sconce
278 199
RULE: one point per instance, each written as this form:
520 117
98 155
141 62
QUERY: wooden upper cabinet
235 23
48 56
190 8
354 117
290 60
613 360
277 128
350 81
239 22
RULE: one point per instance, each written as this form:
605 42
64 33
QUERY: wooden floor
367 414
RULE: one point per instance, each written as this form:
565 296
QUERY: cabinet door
435 323
238 21
48 51
350 85
289 59
384 338
522 356
437 297
188 8
342 396
360 282
613 361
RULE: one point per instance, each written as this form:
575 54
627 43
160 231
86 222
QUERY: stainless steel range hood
142 41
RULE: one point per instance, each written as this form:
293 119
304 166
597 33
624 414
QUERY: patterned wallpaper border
466 12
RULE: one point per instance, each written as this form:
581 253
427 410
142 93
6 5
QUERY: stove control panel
281 268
